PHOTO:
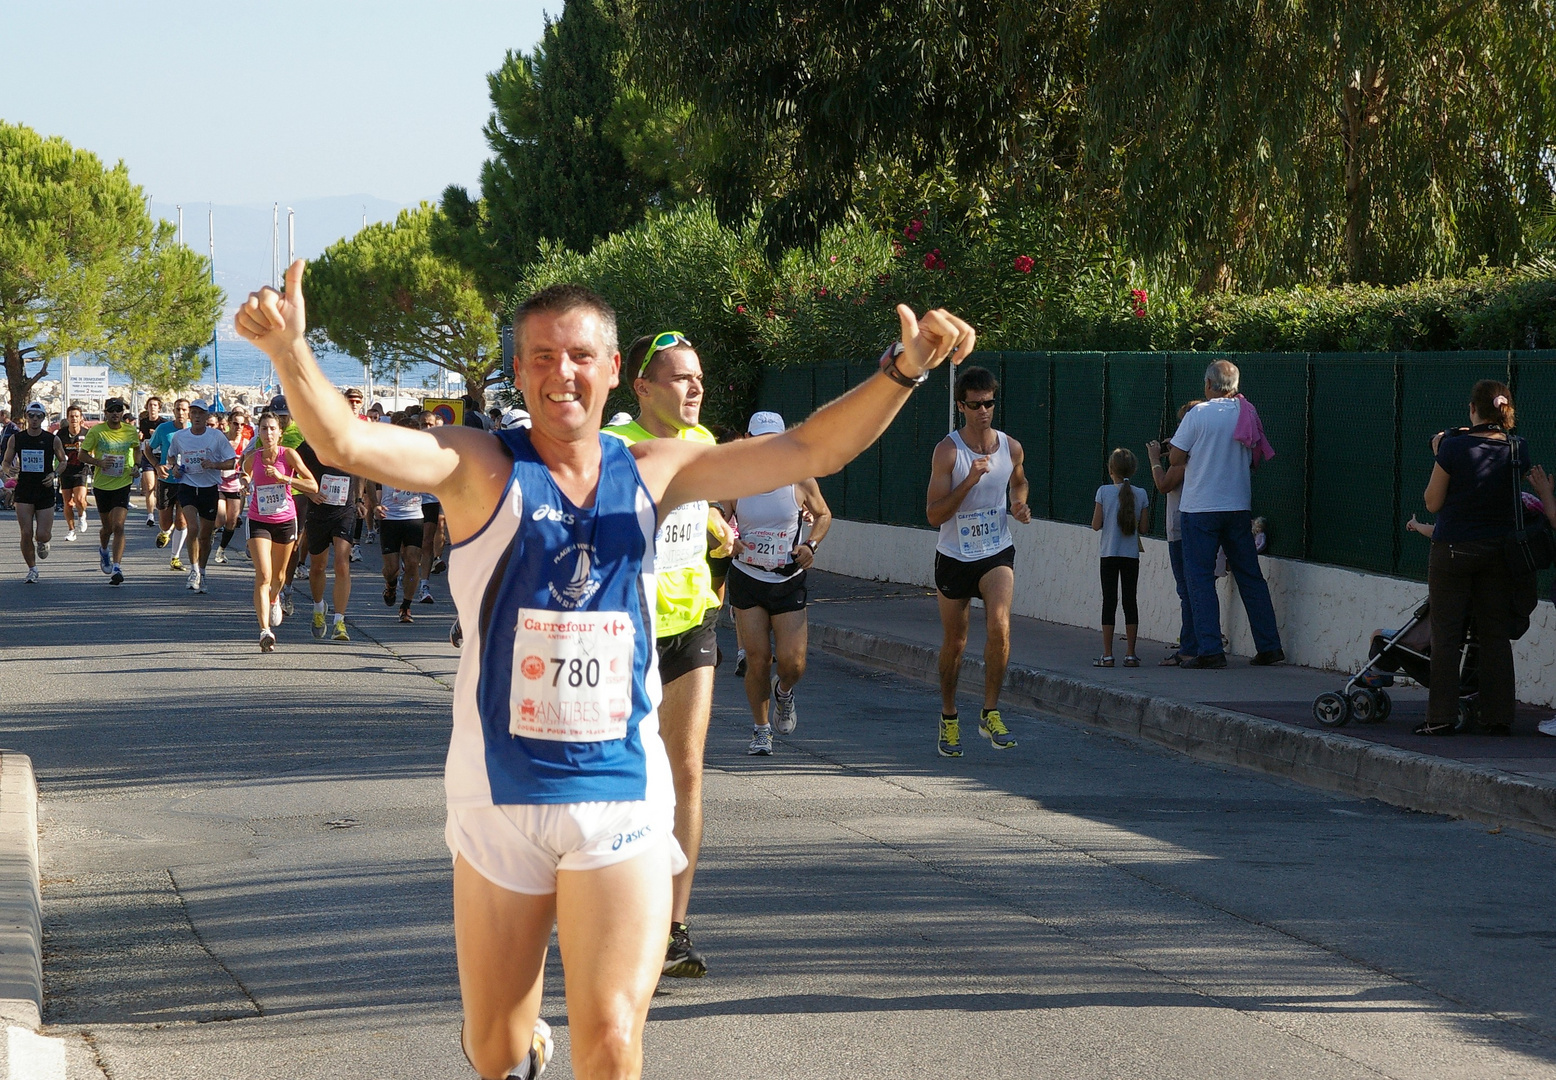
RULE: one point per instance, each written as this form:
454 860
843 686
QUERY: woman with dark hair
1472 491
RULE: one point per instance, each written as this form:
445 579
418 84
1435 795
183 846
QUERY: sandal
1429 728
1131 660
1171 660
1102 661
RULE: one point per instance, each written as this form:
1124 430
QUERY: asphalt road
245 877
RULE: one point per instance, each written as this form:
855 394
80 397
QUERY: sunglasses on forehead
670 339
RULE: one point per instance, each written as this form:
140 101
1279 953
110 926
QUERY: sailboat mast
216 356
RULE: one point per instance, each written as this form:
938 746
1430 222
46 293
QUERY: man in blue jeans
1216 512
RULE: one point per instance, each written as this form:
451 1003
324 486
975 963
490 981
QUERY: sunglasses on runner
989 404
670 339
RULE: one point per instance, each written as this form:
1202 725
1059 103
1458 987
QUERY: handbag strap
1513 445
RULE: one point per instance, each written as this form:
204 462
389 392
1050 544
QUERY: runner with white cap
767 589
558 784
73 476
200 454
35 456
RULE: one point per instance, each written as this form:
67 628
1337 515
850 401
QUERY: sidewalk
1255 717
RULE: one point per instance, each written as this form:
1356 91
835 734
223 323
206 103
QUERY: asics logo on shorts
551 513
627 838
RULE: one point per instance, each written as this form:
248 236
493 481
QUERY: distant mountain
243 251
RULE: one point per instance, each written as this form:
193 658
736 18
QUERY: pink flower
740 309
883 278
1139 312
914 228
821 292
1024 263
834 258
1140 296
770 314
933 261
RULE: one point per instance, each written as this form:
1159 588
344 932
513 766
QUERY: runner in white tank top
768 591
973 471
555 740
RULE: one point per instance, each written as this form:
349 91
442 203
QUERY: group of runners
592 564
205 477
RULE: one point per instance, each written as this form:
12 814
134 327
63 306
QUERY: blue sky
239 103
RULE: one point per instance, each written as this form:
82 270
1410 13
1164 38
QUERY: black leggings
1114 568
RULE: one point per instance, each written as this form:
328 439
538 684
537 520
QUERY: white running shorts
521 848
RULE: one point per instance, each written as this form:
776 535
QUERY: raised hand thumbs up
275 321
927 342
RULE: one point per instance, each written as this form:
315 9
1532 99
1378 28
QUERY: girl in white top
1121 514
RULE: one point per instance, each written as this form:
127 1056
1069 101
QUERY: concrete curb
1317 758
21 908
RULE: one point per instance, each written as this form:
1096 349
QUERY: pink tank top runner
270 500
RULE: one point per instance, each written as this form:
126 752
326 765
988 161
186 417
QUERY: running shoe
162 537
991 727
104 563
541 1049
43 549
740 664
405 612
175 563
456 634
761 740
70 537
286 602
319 625
424 596
220 555
391 593
276 614
356 553
785 716
151 523
682 960
32 576
116 576
201 587
192 582
340 631
267 639
438 565
950 736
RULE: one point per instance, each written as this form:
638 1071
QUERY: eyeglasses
988 404
670 339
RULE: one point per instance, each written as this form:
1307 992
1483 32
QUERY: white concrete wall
1326 614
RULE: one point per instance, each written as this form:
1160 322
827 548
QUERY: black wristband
892 372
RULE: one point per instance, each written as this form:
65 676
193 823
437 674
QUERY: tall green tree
386 298
1257 144
84 269
829 100
557 172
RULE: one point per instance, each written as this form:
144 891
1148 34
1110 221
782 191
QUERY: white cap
201 404
37 407
514 418
619 419
764 423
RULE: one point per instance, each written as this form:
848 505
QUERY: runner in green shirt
110 447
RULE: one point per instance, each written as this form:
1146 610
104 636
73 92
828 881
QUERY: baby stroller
1407 650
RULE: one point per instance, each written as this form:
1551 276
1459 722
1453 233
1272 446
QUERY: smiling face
671 392
566 370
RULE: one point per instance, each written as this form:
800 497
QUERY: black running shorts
690 649
277 532
34 494
167 494
203 499
430 512
72 478
326 524
958 580
394 535
117 499
774 597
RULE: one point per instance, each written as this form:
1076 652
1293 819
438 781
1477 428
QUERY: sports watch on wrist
895 374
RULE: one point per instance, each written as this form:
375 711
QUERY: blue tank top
558 688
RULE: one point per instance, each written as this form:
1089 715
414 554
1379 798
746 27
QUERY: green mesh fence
1351 434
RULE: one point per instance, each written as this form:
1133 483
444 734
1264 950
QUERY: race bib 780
572 675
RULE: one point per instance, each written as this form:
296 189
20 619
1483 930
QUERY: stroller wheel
1331 710
1364 706
1385 707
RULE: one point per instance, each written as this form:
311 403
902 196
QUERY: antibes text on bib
572 675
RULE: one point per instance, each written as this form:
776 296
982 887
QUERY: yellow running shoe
950 736
991 727
319 625
175 563
340 631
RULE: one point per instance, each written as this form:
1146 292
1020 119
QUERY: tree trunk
16 378
1363 95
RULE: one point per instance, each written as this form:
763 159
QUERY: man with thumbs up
560 804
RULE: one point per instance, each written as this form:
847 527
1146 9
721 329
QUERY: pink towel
1250 431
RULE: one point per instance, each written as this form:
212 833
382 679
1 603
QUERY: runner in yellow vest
668 385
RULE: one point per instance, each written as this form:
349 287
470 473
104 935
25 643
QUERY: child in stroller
1407 650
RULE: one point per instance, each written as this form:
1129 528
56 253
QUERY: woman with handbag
1475 572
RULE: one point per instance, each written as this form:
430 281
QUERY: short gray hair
1222 377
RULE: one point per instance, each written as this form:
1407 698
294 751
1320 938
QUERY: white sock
179 536
740 654
340 619
319 607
